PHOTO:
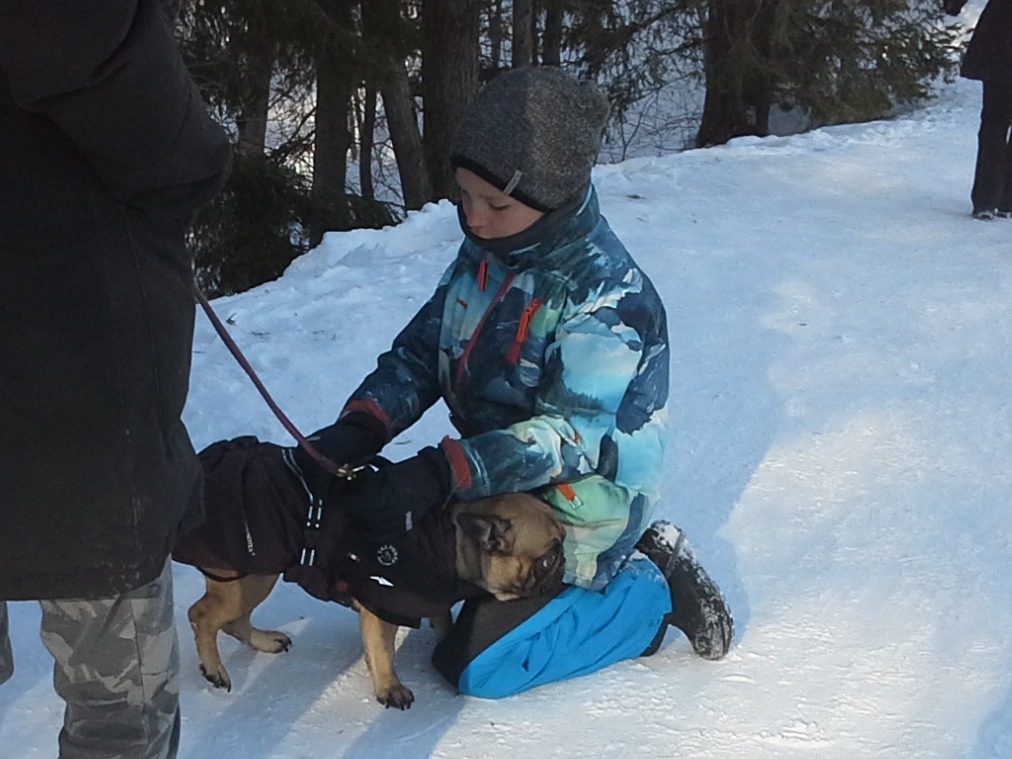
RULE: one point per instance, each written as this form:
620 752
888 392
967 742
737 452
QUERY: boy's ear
492 533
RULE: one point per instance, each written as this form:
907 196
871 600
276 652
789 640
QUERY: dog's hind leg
378 638
216 608
267 641
226 605
253 589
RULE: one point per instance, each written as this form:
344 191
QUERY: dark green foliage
257 225
839 60
259 64
253 229
854 61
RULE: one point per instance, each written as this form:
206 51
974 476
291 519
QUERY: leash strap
233 348
348 472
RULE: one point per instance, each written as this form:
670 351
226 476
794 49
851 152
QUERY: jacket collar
572 221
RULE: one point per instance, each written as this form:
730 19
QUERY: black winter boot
698 608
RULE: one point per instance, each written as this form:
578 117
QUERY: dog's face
510 545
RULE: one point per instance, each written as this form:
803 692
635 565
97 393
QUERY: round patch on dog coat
387 555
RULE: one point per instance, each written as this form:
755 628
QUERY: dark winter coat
256 511
989 55
106 151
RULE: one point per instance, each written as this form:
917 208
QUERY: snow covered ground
841 459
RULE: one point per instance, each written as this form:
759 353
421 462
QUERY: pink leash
308 447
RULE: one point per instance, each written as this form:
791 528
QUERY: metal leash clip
349 472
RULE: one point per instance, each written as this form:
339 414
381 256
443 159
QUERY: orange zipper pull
522 328
483 274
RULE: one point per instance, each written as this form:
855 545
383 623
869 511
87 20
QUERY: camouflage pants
117 669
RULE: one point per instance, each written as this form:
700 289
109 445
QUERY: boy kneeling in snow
549 346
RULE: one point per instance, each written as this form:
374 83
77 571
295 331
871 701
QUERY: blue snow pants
499 648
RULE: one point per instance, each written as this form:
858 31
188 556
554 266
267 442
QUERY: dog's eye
549 560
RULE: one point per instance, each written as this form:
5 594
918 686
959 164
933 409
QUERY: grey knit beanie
533 133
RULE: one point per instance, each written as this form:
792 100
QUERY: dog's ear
492 533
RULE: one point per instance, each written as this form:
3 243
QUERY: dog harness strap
314 516
311 533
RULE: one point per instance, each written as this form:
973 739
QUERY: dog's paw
270 641
218 678
396 696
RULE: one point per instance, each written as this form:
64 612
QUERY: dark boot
698 608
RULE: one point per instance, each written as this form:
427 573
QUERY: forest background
342 111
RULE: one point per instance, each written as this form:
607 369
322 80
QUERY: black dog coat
255 513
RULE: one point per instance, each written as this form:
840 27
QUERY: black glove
390 501
953 7
351 439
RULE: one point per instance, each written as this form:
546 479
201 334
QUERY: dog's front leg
442 623
378 638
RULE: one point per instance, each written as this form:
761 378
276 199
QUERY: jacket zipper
482 274
522 328
462 365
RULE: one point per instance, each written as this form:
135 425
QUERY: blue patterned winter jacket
552 357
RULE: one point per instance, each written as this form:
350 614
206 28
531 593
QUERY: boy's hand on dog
391 500
352 438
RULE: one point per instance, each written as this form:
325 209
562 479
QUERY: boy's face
489 213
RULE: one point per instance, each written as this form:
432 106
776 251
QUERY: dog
508 545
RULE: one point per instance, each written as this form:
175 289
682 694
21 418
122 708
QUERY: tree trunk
495 35
251 121
551 50
330 166
724 114
523 33
380 19
739 90
760 96
761 85
367 130
449 80
402 122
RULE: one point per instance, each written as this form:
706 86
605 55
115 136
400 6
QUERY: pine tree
839 60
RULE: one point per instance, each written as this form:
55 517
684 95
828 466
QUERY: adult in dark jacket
989 60
106 151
